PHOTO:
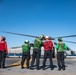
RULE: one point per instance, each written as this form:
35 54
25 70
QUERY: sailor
3 51
25 54
61 46
37 52
48 45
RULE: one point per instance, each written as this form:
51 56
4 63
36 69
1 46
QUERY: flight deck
13 65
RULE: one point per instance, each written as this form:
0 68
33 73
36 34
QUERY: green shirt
37 43
25 47
61 47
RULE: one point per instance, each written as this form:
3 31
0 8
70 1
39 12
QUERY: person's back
25 47
37 43
61 47
3 45
48 45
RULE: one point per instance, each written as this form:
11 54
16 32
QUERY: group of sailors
38 43
48 45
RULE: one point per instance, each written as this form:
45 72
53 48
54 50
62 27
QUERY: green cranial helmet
42 37
60 39
26 41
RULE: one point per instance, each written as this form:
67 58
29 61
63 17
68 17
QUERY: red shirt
48 45
3 46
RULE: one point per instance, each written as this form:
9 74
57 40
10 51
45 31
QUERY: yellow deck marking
18 64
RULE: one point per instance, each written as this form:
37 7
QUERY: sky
53 18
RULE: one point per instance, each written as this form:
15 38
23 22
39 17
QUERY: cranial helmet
47 37
26 41
42 37
2 38
60 38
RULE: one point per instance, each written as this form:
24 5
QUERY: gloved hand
6 54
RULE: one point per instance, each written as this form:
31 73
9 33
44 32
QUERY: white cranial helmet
46 37
26 41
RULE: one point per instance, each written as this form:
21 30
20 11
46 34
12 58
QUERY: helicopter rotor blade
20 34
51 38
66 36
70 42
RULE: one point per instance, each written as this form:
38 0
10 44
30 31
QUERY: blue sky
35 17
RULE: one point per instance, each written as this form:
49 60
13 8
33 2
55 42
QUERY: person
3 51
61 46
37 52
48 45
25 54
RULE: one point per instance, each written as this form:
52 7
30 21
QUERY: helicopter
18 50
